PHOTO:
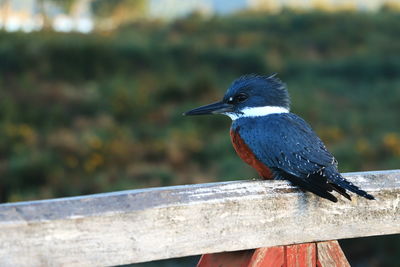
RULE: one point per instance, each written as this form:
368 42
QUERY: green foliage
83 114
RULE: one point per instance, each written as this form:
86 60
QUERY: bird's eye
240 97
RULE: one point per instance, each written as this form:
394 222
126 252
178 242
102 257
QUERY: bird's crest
271 79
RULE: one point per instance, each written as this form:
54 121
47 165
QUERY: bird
277 143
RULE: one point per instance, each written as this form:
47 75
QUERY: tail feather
322 184
318 187
335 178
322 192
340 190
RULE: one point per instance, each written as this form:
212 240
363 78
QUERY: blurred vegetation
82 114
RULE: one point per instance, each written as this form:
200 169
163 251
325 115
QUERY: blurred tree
112 14
45 7
44 13
4 11
66 5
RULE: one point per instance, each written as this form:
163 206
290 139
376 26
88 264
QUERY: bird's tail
338 182
317 185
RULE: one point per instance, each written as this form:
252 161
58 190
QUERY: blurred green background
98 112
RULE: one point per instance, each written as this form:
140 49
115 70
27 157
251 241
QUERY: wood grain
331 255
268 257
159 223
302 255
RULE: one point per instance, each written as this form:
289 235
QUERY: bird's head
250 96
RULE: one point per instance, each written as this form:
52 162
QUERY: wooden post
330 254
301 255
320 254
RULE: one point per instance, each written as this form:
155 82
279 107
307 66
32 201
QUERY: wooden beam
331 255
268 257
320 254
301 255
159 223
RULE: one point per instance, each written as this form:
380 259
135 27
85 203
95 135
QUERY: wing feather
291 149
287 142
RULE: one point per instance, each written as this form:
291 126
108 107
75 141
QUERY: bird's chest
248 156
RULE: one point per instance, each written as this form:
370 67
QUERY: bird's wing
290 148
286 142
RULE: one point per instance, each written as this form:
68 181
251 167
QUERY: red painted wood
331 255
226 259
321 254
301 255
268 257
247 156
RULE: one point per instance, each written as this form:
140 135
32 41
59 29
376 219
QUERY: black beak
214 108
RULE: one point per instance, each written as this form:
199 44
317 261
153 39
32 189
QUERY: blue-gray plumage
277 143
290 148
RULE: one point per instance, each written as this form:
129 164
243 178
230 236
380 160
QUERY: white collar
257 112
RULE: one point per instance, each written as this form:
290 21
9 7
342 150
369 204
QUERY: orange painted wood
331 255
226 259
301 255
268 257
320 254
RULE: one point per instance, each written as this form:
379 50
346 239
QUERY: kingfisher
278 144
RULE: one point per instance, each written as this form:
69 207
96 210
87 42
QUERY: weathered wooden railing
159 223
